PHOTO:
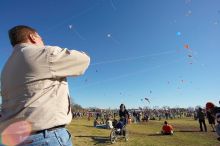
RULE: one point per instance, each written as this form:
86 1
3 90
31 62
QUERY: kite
178 33
189 55
188 1
70 26
112 4
216 23
189 12
112 38
186 46
109 35
147 99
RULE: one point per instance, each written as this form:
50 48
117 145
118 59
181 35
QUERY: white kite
70 26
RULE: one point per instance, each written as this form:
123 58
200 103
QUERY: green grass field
186 133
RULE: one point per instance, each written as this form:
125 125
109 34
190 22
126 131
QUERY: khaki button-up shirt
34 86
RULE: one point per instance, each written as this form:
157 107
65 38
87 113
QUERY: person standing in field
211 119
215 112
201 117
35 94
123 114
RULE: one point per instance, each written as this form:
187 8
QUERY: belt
49 129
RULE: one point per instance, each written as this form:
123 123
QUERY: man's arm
64 62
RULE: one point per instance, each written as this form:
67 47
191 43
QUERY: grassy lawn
186 133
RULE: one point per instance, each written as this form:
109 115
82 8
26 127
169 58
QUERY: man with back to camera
35 90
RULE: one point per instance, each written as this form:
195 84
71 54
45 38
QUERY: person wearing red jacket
167 129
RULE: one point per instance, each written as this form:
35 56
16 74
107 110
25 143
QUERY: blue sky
138 48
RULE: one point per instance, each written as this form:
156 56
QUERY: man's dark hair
19 34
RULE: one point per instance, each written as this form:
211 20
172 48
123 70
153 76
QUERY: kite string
78 34
72 17
132 58
129 74
112 4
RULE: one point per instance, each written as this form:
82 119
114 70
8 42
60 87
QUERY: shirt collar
22 45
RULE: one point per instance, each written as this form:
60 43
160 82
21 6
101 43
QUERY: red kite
186 46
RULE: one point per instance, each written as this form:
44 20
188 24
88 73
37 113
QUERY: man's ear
32 38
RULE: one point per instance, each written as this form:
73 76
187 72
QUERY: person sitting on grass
167 129
109 123
96 122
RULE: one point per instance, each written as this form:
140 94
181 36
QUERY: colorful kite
186 46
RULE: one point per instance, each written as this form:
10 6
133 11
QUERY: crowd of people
135 115
107 118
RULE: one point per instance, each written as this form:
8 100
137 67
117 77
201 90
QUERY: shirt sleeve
64 62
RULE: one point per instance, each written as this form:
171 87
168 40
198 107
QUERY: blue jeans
57 137
120 124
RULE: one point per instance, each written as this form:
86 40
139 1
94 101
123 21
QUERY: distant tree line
76 107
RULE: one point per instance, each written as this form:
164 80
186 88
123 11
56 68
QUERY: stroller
119 131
